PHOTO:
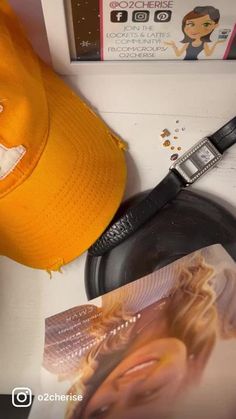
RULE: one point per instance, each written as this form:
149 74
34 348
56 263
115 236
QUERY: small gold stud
166 143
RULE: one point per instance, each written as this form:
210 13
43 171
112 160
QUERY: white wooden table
138 107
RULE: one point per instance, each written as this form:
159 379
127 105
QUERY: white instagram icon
21 397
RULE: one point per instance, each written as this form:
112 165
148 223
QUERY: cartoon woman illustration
197 27
161 351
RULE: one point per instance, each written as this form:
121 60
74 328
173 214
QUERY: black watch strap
138 215
225 137
163 193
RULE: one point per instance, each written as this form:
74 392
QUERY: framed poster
137 34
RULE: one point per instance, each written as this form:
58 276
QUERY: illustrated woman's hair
191 317
197 12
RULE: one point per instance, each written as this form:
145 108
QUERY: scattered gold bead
165 133
166 143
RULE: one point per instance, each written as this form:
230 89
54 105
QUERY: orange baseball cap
62 170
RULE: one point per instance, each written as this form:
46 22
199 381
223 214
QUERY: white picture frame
57 33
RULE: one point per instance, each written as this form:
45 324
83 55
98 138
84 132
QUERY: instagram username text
142 4
46 397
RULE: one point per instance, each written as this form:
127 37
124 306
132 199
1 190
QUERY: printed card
151 30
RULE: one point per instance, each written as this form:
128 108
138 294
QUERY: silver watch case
197 161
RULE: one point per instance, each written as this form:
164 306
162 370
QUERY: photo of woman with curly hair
152 339
197 27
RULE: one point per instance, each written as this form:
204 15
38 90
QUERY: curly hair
191 316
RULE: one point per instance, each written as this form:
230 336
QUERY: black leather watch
185 171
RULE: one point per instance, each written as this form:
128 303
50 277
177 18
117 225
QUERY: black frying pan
188 223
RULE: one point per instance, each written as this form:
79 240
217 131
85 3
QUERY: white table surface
138 107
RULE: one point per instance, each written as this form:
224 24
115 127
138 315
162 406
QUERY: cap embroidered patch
9 158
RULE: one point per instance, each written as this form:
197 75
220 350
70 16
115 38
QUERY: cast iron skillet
188 223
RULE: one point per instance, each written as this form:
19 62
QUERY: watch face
189 167
204 155
197 161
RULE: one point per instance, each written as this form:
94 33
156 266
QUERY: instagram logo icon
140 16
21 397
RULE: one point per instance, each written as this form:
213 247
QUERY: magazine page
163 346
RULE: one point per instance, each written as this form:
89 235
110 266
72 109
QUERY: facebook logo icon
119 16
